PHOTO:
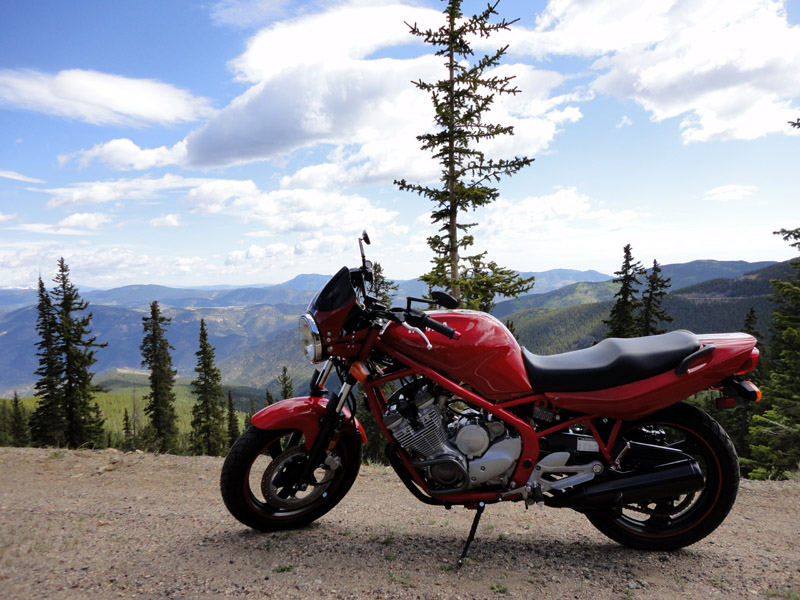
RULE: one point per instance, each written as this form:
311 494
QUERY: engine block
465 451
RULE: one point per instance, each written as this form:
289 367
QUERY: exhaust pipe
663 481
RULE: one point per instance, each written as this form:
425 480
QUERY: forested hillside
715 306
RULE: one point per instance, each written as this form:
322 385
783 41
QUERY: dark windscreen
337 292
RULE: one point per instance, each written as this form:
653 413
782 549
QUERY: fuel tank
486 357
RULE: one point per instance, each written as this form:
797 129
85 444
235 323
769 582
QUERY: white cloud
72 225
315 81
296 212
625 121
352 31
727 69
7 217
123 155
48 229
172 220
100 98
730 192
19 177
99 192
84 220
352 102
517 232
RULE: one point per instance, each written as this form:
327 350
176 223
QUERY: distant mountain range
253 329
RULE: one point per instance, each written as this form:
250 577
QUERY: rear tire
262 465
683 520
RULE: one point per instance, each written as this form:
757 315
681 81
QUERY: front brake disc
278 483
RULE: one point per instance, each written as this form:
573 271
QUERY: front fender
303 413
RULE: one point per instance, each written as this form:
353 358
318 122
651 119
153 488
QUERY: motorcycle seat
612 362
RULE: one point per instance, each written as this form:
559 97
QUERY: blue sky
245 142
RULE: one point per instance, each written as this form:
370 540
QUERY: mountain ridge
254 341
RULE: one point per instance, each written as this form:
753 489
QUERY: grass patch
283 569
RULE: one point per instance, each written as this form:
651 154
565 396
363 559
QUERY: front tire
668 524
261 467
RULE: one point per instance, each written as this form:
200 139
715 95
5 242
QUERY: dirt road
86 524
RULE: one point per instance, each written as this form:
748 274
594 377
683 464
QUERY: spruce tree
208 421
461 102
77 347
127 432
5 423
775 434
233 421
48 423
653 312
285 383
382 288
622 322
160 402
248 418
269 399
18 431
65 413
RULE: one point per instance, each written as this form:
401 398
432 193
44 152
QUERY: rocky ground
86 524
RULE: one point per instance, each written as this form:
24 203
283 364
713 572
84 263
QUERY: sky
243 142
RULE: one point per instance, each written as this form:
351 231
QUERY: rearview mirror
444 300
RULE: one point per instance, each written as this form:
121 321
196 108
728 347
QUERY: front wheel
671 523
259 475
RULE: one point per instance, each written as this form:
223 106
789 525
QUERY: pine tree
269 399
461 102
382 288
160 402
76 345
127 432
622 322
286 384
653 312
233 421
775 434
208 429
19 433
5 423
48 423
65 413
248 418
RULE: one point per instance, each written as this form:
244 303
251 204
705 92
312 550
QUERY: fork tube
327 436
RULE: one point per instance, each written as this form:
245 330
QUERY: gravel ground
91 524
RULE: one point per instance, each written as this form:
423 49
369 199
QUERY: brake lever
419 332
392 317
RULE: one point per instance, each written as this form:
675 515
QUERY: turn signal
359 371
738 393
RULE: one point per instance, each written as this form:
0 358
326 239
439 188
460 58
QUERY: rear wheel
667 524
259 475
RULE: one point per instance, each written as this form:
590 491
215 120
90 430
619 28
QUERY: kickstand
478 513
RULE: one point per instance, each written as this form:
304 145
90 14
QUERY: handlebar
420 319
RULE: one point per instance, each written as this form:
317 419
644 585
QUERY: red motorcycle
471 418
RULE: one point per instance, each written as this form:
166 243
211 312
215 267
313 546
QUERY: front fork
330 426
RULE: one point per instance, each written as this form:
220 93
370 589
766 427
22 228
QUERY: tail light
750 363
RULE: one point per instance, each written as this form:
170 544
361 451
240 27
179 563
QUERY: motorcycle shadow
420 546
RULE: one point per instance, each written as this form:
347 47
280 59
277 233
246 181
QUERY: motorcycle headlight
310 339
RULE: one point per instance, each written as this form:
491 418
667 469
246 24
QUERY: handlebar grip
441 328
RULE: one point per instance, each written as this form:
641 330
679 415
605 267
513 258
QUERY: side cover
303 413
